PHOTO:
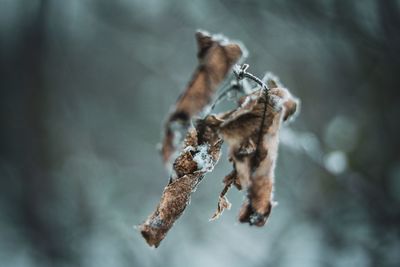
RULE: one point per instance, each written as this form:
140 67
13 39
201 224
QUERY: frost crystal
255 218
188 149
203 159
179 129
157 222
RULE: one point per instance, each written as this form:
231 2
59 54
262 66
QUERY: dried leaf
216 57
199 156
251 132
223 202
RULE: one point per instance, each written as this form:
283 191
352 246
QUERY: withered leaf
223 202
251 132
198 157
216 57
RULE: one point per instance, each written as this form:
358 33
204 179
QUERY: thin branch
242 73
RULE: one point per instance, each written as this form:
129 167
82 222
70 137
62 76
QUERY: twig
242 73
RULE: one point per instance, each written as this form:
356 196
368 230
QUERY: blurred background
85 88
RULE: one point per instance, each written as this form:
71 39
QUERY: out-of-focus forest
86 86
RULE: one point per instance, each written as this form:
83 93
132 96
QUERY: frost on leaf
252 134
201 152
251 131
216 56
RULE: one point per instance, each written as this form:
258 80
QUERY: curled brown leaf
251 132
198 157
216 56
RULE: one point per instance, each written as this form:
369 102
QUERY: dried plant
216 57
251 131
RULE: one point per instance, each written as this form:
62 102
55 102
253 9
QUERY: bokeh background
85 87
